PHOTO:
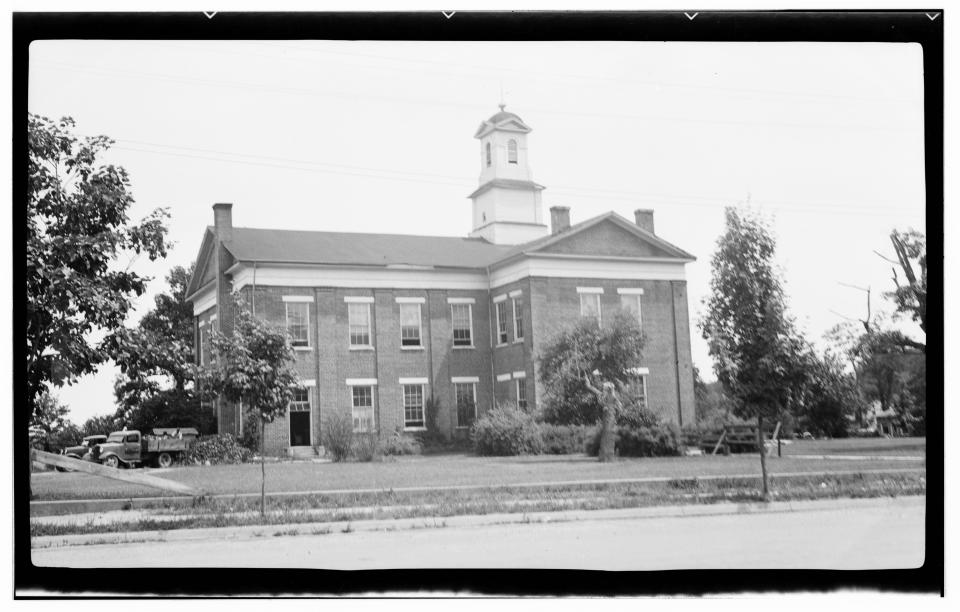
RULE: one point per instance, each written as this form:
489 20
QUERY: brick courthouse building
381 322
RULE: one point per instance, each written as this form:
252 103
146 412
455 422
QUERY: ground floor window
522 393
362 409
638 391
413 407
299 419
466 403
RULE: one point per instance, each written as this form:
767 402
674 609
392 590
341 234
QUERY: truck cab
120 447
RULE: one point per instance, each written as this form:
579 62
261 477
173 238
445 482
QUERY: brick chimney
559 219
644 218
223 220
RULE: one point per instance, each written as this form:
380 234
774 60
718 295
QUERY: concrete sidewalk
464 521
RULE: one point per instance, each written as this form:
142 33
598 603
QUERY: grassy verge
438 504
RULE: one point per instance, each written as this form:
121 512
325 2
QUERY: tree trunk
763 457
263 476
606 453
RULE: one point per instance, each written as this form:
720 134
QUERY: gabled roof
532 247
342 248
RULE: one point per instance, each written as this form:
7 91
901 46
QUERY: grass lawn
453 470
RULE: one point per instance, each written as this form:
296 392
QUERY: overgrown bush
365 448
658 440
506 430
399 444
564 439
338 436
217 449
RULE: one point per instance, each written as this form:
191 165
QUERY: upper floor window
518 319
462 317
630 303
359 323
512 151
489 155
502 322
590 306
410 325
298 323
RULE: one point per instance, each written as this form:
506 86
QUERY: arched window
512 151
489 155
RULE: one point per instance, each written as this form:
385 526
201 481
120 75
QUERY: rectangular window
631 304
359 315
590 306
522 393
413 407
517 319
204 346
298 323
639 388
362 409
502 322
466 403
301 400
462 316
410 325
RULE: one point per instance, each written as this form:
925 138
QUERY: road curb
251 532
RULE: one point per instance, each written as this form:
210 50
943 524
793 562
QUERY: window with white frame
359 323
362 408
522 393
630 303
300 402
502 322
512 151
410 325
640 391
413 407
466 398
590 306
462 317
298 323
517 318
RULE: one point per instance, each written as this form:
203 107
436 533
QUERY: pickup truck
131 449
83 449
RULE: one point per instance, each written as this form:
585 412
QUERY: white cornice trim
461 300
464 379
361 382
519 375
630 291
410 300
298 298
589 289
503 377
533 266
516 293
414 381
205 299
309 382
288 275
500 298
358 299
639 371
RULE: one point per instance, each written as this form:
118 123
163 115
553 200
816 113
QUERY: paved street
888 534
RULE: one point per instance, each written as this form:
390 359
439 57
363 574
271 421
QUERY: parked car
82 450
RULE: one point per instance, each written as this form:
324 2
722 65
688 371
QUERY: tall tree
154 388
252 366
50 418
910 296
755 349
77 234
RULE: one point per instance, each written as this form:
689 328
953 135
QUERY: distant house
382 322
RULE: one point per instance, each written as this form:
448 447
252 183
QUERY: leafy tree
159 351
77 232
576 363
830 394
50 418
755 349
99 425
252 366
910 296
168 408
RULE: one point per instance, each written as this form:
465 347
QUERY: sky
824 139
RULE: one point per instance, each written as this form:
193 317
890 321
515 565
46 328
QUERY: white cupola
506 205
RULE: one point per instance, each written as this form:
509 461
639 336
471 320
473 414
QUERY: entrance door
300 418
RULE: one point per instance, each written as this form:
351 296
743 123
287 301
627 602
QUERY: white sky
377 136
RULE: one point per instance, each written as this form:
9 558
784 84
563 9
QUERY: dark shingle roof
294 246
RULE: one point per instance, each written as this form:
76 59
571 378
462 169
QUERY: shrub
659 440
399 444
564 439
506 430
338 436
222 448
365 448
